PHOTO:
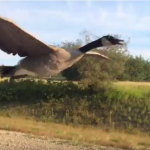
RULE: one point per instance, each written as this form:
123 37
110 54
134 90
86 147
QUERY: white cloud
123 18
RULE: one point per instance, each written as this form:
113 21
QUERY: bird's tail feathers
6 71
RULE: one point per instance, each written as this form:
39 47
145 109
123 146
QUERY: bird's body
46 66
40 59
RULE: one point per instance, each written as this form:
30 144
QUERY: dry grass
129 83
136 87
76 134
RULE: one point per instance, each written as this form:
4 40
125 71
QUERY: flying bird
40 59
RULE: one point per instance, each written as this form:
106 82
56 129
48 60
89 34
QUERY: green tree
96 72
136 69
147 70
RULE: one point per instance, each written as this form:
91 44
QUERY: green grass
137 90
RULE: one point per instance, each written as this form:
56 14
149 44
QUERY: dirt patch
21 141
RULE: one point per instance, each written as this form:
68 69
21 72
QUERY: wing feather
14 40
96 54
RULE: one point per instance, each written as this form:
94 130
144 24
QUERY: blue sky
56 21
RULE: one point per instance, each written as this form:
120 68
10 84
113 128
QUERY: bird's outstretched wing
14 40
96 54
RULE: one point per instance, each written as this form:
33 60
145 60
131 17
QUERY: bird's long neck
90 46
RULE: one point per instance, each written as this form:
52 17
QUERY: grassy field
80 133
135 84
136 88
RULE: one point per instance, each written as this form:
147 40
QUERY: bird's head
109 40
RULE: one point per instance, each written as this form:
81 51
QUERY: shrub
66 102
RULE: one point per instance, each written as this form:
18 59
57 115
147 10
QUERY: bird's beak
119 41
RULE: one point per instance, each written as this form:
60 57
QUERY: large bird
41 60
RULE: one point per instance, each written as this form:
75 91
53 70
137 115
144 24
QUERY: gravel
20 141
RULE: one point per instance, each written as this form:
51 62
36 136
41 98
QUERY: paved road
20 141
